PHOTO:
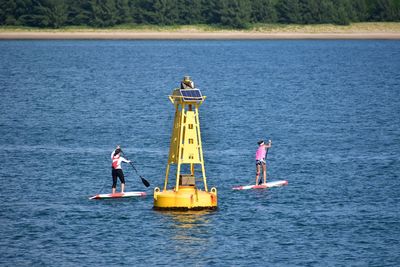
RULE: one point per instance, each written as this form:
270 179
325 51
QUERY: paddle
266 156
144 181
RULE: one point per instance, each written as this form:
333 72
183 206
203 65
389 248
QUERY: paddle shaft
144 181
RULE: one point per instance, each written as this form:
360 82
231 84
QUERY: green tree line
228 13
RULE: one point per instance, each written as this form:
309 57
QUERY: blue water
332 109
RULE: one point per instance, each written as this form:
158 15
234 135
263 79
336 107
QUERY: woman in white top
117 170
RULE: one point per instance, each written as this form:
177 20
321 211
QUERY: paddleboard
262 186
119 195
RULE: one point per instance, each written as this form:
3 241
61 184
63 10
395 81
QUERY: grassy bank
365 27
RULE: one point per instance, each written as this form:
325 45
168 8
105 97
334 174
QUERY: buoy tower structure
186 156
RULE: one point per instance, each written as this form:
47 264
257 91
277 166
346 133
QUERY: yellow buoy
186 154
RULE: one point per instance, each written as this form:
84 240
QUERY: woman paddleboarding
261 160
117 172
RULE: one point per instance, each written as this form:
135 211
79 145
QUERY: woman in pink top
260 159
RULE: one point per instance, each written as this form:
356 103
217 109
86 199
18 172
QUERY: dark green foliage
212 11
7 12
166 12
359 11
228 13
385 10
289 11
103 13
311 11
143 11
47 13
263 11
79 12
12 11
235 13
123 11
190 12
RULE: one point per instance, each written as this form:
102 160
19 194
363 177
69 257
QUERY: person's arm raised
269 144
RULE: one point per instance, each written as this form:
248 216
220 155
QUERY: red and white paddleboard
119 195
262 186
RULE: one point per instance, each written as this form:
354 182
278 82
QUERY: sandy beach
189 35
357 31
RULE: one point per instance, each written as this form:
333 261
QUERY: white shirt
120 159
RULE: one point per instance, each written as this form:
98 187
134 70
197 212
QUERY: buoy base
186 198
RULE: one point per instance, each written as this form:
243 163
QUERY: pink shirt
260 154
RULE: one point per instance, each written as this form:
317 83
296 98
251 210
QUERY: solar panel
191 95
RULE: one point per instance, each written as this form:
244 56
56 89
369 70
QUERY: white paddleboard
262 186
119 195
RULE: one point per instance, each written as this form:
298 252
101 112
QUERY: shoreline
192 35
354 31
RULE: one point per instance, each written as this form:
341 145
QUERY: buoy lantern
186 154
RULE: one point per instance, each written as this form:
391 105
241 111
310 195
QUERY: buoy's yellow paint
187 198
186 151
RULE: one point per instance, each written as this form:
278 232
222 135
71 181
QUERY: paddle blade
145 182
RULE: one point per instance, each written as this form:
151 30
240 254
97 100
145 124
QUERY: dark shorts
117 173
260 162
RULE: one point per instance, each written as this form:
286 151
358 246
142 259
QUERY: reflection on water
189 219
191 231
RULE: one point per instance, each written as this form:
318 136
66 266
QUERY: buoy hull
186 198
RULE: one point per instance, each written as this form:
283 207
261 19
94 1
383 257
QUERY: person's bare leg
113 190
257 173
122 188
265 172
